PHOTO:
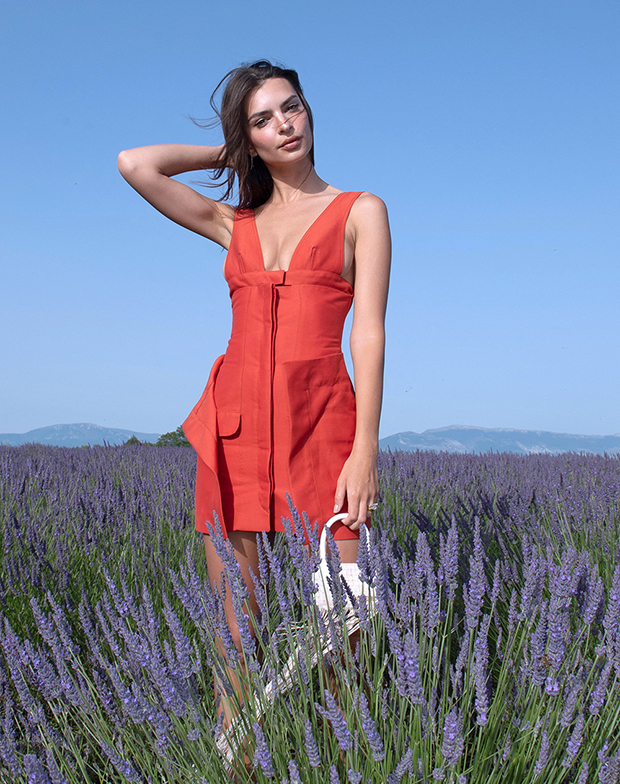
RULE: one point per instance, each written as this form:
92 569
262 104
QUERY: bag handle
328 524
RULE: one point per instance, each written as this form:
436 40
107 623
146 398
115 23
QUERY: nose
286 124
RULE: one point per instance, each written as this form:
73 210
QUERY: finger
355 508
339 497
363 514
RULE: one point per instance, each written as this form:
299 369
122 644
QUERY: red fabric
278 413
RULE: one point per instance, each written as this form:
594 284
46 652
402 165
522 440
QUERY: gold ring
373 507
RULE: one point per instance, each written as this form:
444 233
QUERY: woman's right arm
150 170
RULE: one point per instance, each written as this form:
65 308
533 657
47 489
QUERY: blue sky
491 130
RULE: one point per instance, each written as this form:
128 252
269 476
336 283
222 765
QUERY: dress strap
241 238
326 240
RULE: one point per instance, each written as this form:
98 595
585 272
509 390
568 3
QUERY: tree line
174 438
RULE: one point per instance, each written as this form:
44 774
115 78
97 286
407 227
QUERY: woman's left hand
358 483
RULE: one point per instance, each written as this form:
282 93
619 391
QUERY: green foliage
133 440
175 438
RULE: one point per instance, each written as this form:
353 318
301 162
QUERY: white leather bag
350 572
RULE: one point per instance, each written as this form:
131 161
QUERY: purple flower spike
449 560
370 729
55 775
404 766
543 755
599 693
574 742
122 766
337 720
453 743
426 579
293 772
314 756
570 703
295 544
481 659
409 679
363 555
583 774
262 755
334 778
477 586
35 771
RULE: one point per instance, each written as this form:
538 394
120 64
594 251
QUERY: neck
289 182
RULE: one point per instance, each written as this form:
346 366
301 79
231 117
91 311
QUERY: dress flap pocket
228 422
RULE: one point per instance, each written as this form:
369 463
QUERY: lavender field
493 655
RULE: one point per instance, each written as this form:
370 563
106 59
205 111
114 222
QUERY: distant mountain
75 435
462 439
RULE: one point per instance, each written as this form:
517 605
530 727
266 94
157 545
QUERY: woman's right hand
149 170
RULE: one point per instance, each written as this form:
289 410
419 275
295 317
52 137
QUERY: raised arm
359 480
150 170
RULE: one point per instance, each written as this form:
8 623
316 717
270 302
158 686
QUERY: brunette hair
254 181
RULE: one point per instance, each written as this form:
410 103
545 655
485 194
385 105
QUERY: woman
279 415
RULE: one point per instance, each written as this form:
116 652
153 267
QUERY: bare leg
246 552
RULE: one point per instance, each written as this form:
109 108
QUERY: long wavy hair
254 183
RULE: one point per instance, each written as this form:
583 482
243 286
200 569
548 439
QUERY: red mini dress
278 413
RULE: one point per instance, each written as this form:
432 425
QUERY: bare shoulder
368 208
368 215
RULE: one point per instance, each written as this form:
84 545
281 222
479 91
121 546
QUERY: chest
281 231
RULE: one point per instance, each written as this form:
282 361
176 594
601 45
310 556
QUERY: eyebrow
266 111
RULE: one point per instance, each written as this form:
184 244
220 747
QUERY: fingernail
336 509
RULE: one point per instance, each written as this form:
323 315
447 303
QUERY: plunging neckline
301 240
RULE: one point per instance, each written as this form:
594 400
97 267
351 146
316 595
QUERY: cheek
303 125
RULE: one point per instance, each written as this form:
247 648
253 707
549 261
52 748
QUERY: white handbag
350 572
229 741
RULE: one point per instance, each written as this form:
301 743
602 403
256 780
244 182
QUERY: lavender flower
427 582
314 756
35 771
453 742
574 742
370 730
449 560
477 586
599 693
593 598
262 755
404 766
55 775
334 778
293 772
543 754
122 766
7 753
570 703
609 772
409 680
337 720
481 658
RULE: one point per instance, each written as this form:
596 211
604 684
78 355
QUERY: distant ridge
455 438
463 438
81 434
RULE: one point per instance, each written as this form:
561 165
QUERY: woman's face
278 126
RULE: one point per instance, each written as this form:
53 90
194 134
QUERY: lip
291 142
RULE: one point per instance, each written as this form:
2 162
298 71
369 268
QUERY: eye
292 107
260 122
